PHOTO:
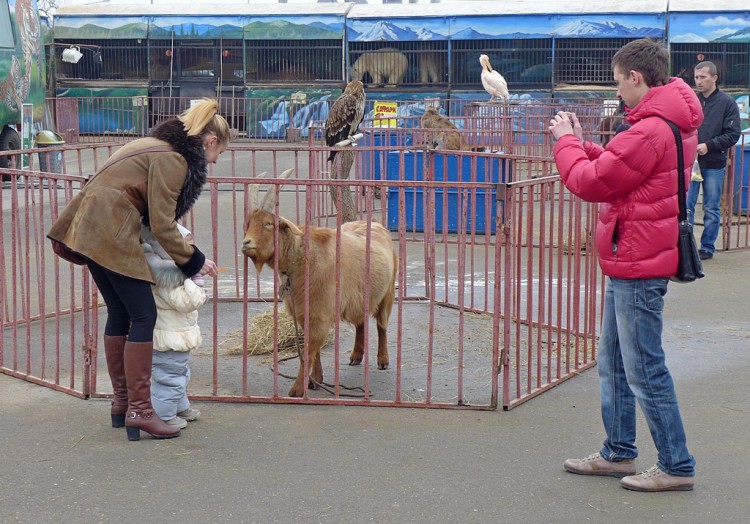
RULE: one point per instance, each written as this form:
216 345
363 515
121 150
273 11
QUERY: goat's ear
286 225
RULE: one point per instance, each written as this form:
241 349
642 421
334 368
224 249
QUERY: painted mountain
197 31
387 31
93 31
281 29
690 38
741 36
336 27
427 34
470 34
383 30
587 29
473 34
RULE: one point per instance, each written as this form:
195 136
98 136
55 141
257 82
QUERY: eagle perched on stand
345 115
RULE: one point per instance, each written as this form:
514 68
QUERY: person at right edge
634 178
154 181
718 133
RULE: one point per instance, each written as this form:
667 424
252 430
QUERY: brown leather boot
140 415
114 348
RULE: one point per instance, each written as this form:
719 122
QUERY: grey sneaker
597 465
654 479
177 422
190 414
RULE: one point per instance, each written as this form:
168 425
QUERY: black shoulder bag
689 267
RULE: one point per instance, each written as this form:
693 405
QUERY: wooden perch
351 140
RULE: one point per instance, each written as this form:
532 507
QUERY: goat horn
253 192
270 200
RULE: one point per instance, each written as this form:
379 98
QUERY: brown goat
609 124
258 245
441 133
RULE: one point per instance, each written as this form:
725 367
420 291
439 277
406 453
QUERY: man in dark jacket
719 132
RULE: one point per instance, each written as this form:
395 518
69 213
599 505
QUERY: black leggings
131 309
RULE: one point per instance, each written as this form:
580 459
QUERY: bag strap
141 151
680 170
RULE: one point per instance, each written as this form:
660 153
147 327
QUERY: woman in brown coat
154 180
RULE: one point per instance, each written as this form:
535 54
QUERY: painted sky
703 27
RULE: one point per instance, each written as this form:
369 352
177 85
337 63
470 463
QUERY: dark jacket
635 180
103 221
720 130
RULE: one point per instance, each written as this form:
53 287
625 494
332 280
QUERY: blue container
372 161
741 162
469 205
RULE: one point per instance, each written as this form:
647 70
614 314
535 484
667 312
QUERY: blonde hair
203 118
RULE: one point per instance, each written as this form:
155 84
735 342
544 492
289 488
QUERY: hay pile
261 332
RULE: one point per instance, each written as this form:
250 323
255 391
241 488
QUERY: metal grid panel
217 60
294 61
522 62
411 63
732 61
541 316
586 61
125 59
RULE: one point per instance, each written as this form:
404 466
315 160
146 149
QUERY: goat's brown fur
258 245
442 133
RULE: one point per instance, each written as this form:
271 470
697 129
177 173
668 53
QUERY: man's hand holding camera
565 123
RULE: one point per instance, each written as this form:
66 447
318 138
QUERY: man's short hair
647 56
710 65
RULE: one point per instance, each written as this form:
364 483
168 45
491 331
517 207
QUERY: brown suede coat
103 221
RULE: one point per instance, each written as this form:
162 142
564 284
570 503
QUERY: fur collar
191 148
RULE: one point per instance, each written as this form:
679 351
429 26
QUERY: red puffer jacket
635 179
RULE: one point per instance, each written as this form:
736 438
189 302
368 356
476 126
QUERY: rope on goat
287 288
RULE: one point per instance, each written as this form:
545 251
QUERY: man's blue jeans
713 181
632 367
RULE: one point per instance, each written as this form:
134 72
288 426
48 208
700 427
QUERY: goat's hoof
355 361
383 365
296 391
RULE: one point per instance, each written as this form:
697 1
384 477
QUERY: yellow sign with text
385 113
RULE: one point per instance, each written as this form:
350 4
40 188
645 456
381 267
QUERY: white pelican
493 82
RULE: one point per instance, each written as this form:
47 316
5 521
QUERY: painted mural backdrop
22 74
520 26
364 30
709 27
242 27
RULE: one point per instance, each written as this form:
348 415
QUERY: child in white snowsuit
177 300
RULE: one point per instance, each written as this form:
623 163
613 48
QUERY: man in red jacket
635 181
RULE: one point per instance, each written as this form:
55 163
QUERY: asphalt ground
60 461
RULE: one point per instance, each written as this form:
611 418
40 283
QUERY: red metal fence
286 119
498 286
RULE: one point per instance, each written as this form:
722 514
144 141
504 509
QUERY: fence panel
454 326
498 289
